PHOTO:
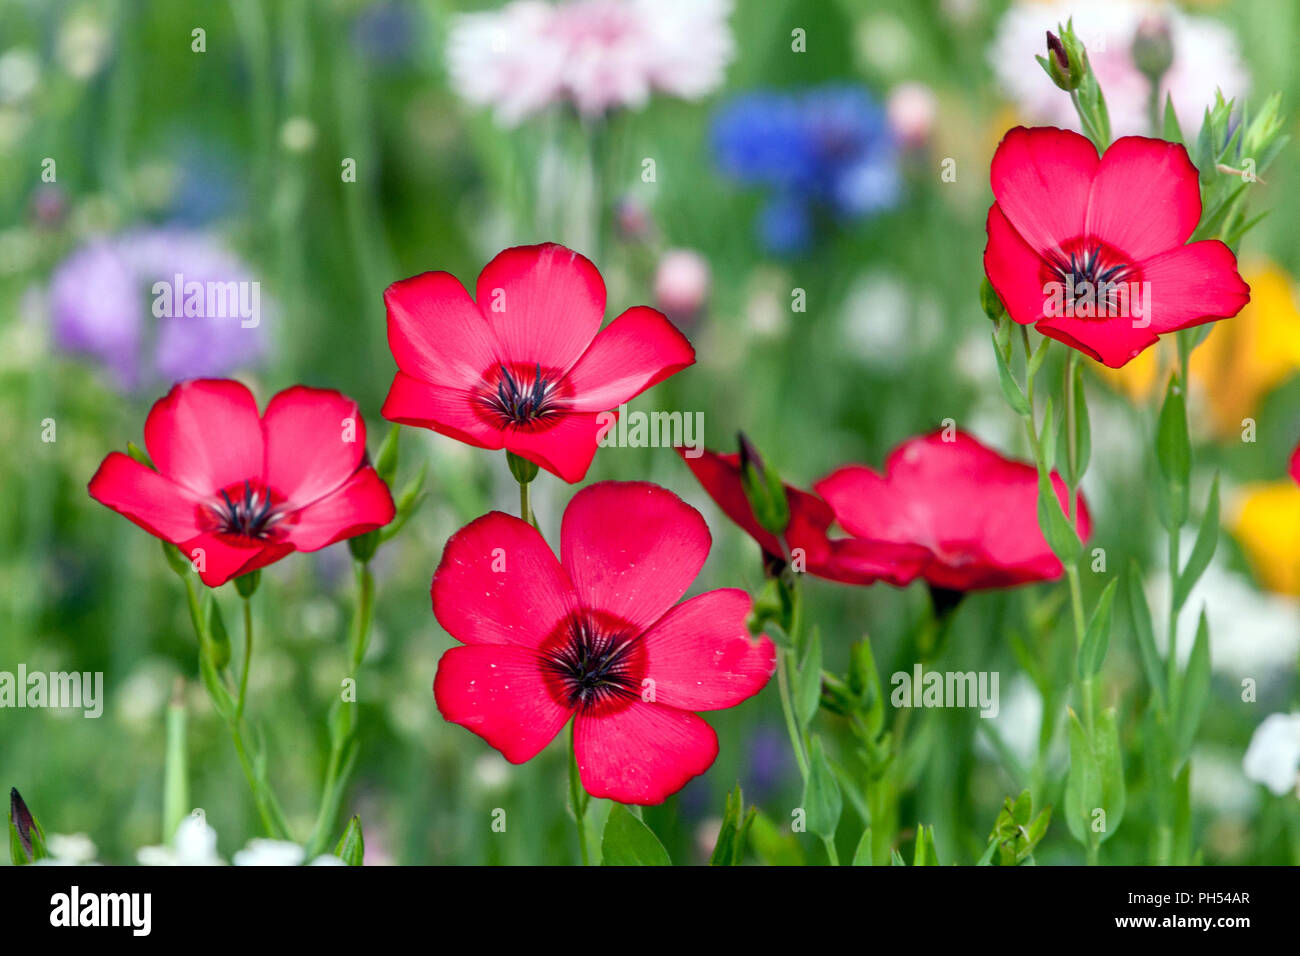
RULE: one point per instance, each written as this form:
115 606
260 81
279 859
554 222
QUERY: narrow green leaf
1195 690
1010 388
351 848
862 855
822 801
1110 768
1172 131
1140 618
1083 784
629 842
1060 534
808 689
1082 437
736 821
1207 539
1174 452
1097 638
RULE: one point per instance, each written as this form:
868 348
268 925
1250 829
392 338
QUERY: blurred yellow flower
1241 360
1137 379
1268 527
1246 357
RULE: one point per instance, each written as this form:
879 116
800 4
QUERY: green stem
831 852
577 796
1172 662
343 752
525 510
248 658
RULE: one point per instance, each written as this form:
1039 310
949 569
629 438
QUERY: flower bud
523 469
763 489
1066 61
990 301
1153 48
26 838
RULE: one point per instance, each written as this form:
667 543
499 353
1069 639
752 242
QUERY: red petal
631 549
362 503
500 694
1113 342
155 503
635 351
1146 197
864 561
447 411
436 332
544 304
720 476
206 435
564 448
1013 269
701 656
1295 465
1194 284
1041 179
976 510
642 754
315 441
222 560
499 583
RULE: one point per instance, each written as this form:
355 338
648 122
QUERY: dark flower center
246 511
521 396
594 663
1096 279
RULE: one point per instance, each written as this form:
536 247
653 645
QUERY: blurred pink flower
596 54
1206 57
911 108
682 282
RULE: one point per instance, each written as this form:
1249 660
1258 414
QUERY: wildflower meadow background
801 191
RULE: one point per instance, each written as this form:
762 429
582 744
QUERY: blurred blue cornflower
101 304
824 150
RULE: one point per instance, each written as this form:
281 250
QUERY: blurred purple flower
101 304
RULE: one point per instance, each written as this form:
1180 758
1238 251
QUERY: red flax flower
235 491
847 560
975 511
1093 251
524 365
596 636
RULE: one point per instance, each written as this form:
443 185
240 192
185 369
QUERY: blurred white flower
491 771
682 281
20 71
1273 757
83 45
262 852
298 134
1216 781
596 54
1251 633
195 844
1206 57
69 849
